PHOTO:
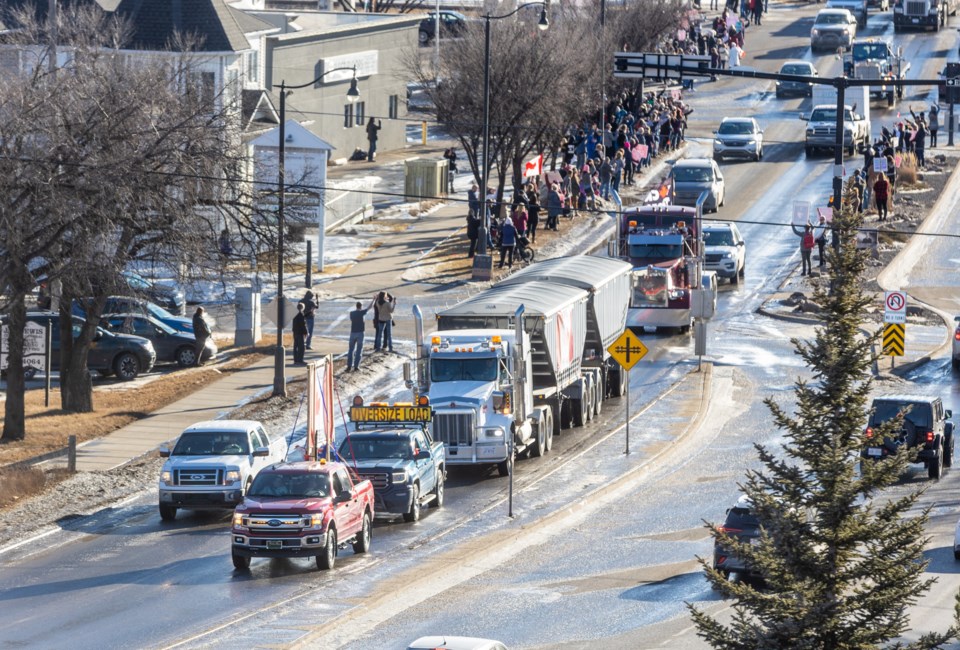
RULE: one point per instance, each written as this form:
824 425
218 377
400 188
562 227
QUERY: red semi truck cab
306 509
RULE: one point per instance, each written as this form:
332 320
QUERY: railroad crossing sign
893 336
627 350
895 307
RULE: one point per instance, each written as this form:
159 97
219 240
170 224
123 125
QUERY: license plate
487 452
875 452
274 544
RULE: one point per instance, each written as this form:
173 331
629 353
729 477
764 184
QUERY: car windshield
718 238
865 51
692 174
656 251
212 443
290 485
796 68
919 414
374 448
829 115
460 369
158 312
735 128
832 19
742 519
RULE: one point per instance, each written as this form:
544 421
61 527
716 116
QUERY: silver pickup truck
822 129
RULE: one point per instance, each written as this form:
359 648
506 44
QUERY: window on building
348 116
394 111
203 86
253 66
361 112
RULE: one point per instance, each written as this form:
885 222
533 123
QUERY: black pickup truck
926 428
398 456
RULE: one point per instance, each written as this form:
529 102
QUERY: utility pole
840 85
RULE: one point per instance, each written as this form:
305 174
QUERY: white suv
213 464
725 252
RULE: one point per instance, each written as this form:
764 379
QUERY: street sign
643 65
627 350
893 339
953 81
895 307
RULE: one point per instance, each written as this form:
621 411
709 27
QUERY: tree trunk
76 386
14 423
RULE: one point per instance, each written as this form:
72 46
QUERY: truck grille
274 523
916 8
454 429
378 481
825 130
868 71
193 477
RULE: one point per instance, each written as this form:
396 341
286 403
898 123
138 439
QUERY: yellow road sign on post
893 337
627 350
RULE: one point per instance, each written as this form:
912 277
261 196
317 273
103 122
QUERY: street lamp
279 377
483 263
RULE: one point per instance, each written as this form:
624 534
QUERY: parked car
131 305
956 343
170 298
691 176
452 23
120 354
724 250
926 431
214 464
738 137
803 88
741 523
833 28
171 345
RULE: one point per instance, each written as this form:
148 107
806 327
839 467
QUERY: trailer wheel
598 398
579 407
539 447
589 401
619 385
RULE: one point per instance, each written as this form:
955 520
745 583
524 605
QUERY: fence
349 201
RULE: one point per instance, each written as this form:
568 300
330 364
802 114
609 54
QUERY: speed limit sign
895 307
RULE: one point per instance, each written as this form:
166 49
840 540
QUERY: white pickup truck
822 129
213 464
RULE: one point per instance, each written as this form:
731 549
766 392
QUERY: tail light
869 432
729 531
929 436
956 335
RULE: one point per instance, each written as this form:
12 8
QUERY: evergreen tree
841 561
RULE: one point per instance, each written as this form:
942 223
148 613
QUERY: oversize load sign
391 413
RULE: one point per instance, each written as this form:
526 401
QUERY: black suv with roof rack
927 429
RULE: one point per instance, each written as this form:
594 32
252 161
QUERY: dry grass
48 428
19 483
907 175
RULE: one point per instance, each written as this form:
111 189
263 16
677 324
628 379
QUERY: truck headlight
728 256
809 131
815 32
232 476
493 433
238 520
399 477
166 477
313 522
718 141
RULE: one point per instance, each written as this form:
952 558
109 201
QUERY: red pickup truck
307 509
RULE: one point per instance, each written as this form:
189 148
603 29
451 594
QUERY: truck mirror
804 117
261 451
164 452
948 413
423 454
342 497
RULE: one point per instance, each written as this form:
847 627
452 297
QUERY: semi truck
872 58
506 369
669 287
922 13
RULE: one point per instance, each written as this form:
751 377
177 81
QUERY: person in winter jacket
508 241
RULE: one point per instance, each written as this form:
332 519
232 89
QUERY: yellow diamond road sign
627 350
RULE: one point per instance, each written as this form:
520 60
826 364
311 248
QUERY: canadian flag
533 167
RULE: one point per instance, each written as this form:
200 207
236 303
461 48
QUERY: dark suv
741 523
120 354
926 429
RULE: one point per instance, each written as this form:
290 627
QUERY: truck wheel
555 417
598 398
899 92
539 447
328 558
438 489
935 468
890 99
362 543
414 513
240 562
579 407
589 403
852 149
503 467
808 151
168 513
618 384
735 279
548 431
